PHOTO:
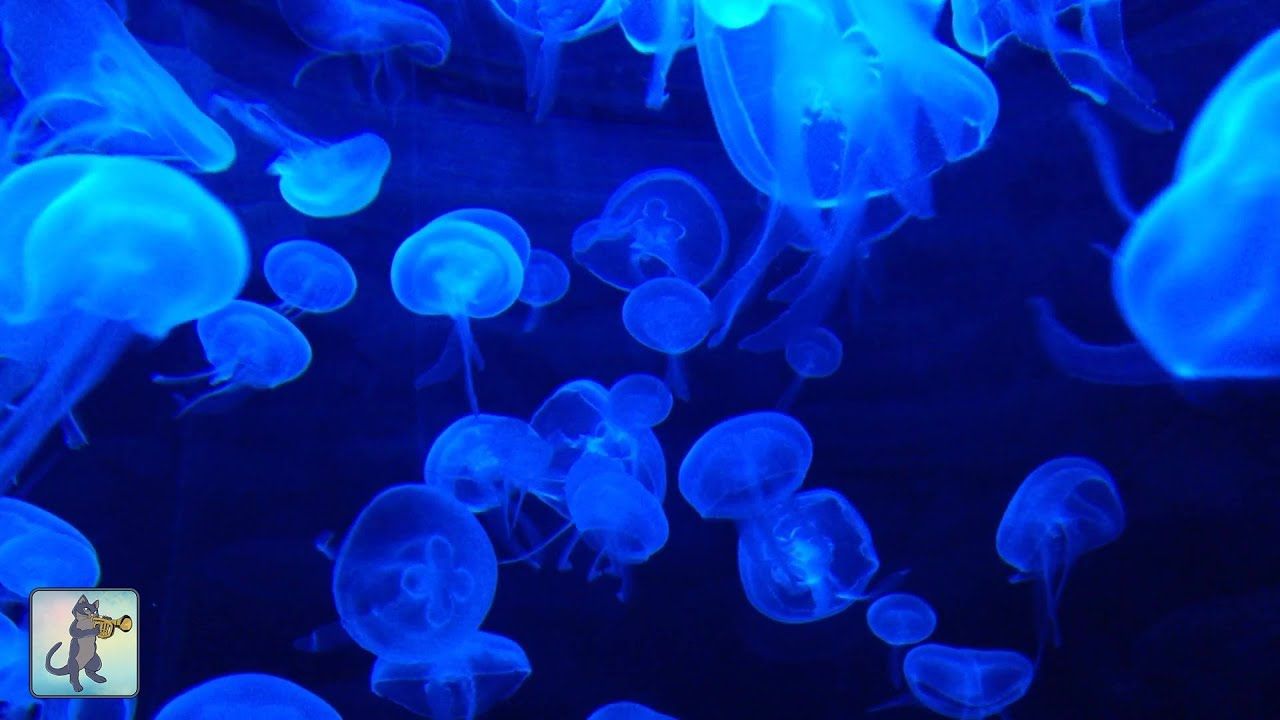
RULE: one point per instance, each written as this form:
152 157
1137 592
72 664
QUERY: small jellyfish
806 559
309 277
1063 509
87 79
460 269
669 316
483 460
812 353
249 695
461 682
660 223
639 401
318 178
546 281
248 346
40 549
415 574
627 711
964 683
660 28
901 619
745 465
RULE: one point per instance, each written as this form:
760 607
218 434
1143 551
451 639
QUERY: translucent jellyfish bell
627 711
901 619
811 353
660 28
964 683
745 465
245 696
309 277
463 681
670 316
639 401
485 460
415 574
807 559
546 281
108 247
40 549
660 223
1063 509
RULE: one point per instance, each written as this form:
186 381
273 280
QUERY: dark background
943 404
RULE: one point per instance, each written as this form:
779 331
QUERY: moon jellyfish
901 619
309 277
248 346
745 465
109 248
807 559
1126 364
660 223
966 684
660 28
40 549
95 88
461 682
1062 510
415 574
482 460
546 281
460 269
247 695
639 401
670 316
812 353
498 222
318 178
627 711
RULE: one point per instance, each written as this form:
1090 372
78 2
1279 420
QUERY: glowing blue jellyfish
415 574
317 178
15 698
660 28
627 711
812 353
1062 510
964 683
245 696
672 317
460 269
807 559
248 346
40 549
546 281
94 87
660 223
484 460
461 682
1126 364
745 465
309 277
500 223
901 619
1094 62
108 247
639 401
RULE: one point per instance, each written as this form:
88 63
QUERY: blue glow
309 276
89 709
245 696
14 659
463 681
626 711
815 353
1127 364
639 401
39 549
546 279
901 619
483 460
745 465
964 683
667 315
660 28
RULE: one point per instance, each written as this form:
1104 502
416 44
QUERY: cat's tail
48 663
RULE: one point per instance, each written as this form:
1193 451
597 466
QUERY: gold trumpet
107 626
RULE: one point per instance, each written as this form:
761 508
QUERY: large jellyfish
96 89
317 178
670 316
485 460
1062 510
245 696
745 465
460 682
110 247
806 559
40 549
660 28
309 277
461 269
415 574
964 683
627 711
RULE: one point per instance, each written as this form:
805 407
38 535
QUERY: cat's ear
83 599
95 606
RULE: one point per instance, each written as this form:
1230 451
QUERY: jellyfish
812 353
1063 509
626 711
806 559
109 247
460 269
639 401
309 277
14 661
415 574
900 620
97 90
461 682
374 30
40 549
660 223
660 28
1124 364
483 460
670 316
318 178
1094 62
247 695
965 683
546 281
745 465
90 709
498 222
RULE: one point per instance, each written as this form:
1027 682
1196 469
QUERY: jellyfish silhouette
546 281
484 460
462 681
309 277
812 353
97 90
317 178
415 574
639 401
806 559
110 247
745 465
660 28
248 346
964 683
461 269
1062 510
40 549
626 711
900 620
660 223
247 695
670 316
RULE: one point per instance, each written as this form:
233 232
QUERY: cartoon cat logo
83 652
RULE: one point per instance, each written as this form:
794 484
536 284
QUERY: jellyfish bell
39 549
247 695
745 465
626 711
639 401
966 683
463 680
309 276
901 619
485 460
546 279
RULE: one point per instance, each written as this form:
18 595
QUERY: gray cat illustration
83 652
